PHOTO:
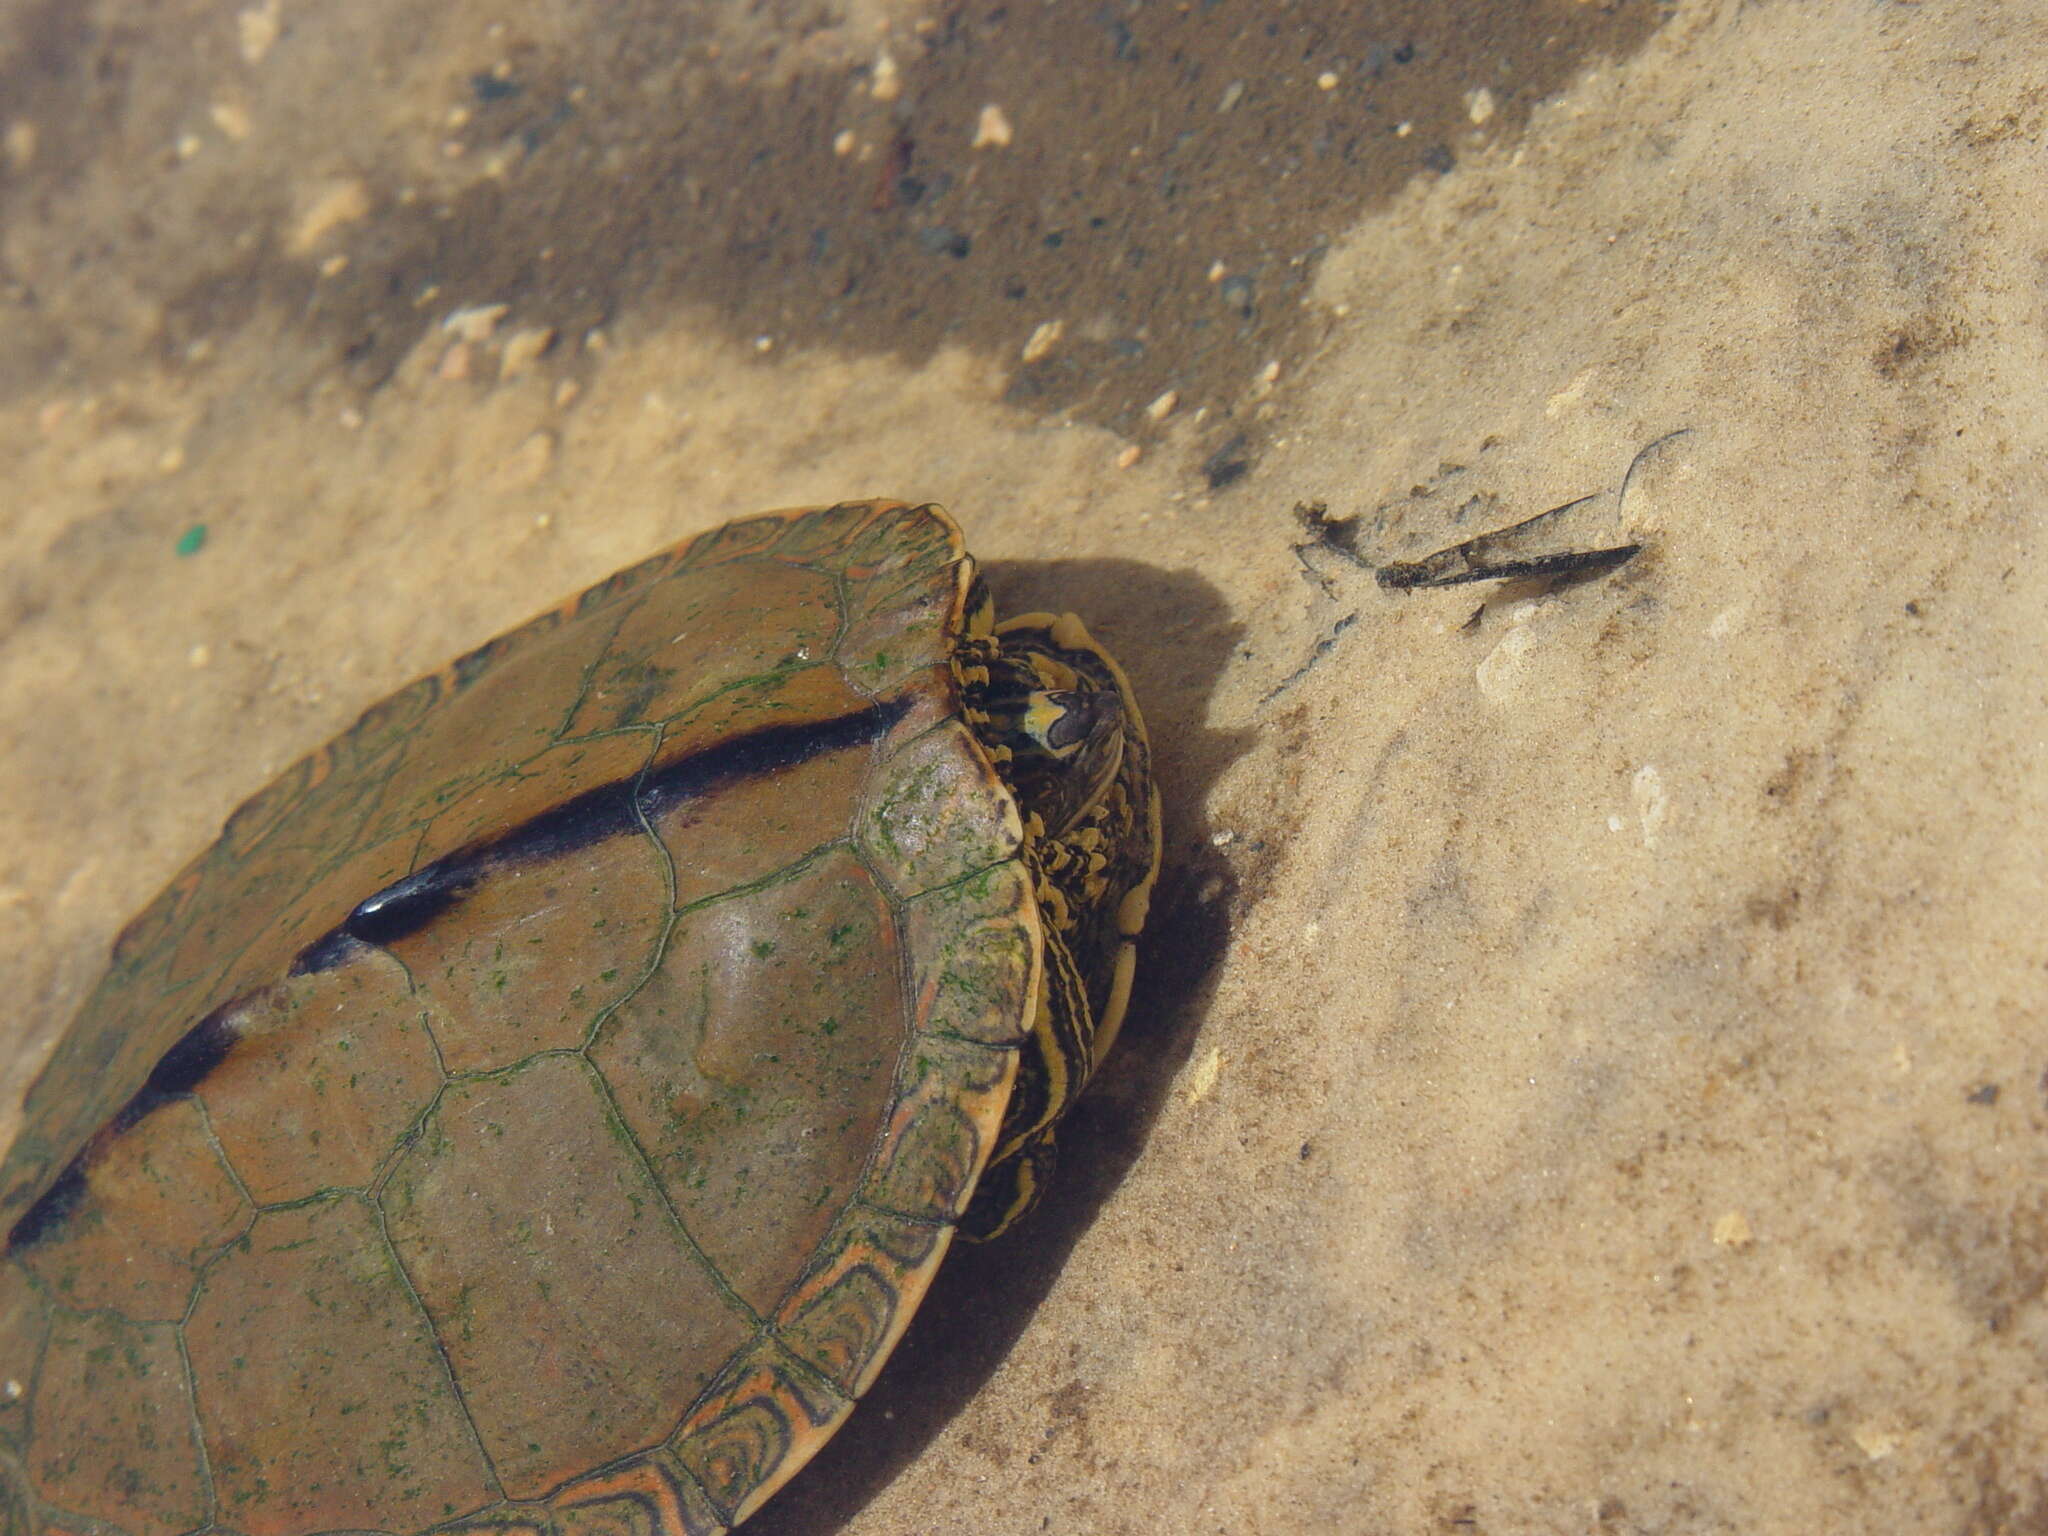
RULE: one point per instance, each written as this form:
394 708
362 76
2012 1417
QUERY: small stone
351 419
1218 271
256 28
233 122
1731 1230
566 393
844 142
475 322
1043 340
1479 105
334 265
200 655
886 85
1326 81
328 207
20 142
1233 93
1162 407
992 130
188 145
1130 455
764 343
1270 374
524 348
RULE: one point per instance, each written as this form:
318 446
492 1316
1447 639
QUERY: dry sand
1591 1076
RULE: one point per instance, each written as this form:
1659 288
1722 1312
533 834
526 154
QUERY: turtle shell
542 1109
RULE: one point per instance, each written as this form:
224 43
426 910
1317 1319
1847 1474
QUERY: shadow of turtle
1173 634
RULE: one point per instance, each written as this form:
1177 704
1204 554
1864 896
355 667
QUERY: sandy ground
1590 1076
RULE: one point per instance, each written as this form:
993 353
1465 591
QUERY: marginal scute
591 1316
938 814
976 944
325 1402
757 1428
328 1069
848 1312
902 616
651 1495
114 1435
950 1100
157 1201
902 539
822 538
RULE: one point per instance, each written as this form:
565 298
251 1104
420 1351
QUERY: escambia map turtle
541 1110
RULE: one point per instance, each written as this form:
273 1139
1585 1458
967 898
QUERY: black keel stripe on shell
610 810
177 1072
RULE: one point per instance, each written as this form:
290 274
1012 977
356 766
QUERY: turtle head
1057 716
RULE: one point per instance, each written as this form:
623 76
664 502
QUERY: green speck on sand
191 541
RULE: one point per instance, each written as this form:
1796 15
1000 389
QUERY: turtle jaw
1065 733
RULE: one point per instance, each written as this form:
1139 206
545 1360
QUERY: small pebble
334 266
257 28
886 85
1218 271
566 393
21 143
1479 104
188 145
475 322
1731 1230
1233 93
524 348
199 656
1130 455
764 343
1162 407
351 419
1326 81
1043 340
233 122
843 143
992 130
331 206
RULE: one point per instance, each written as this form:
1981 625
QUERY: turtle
541 1110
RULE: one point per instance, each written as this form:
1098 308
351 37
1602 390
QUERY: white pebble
992 130
1043 340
